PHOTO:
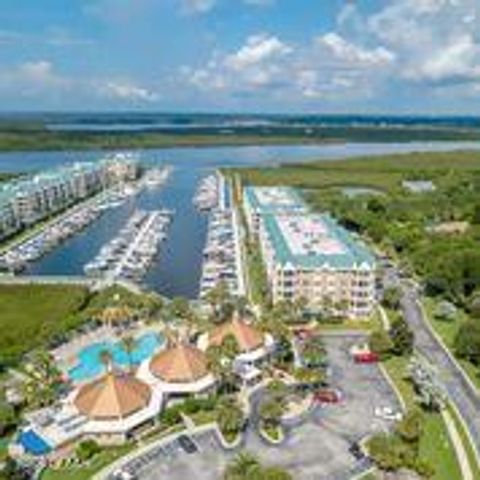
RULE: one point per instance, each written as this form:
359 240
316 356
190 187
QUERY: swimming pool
90 365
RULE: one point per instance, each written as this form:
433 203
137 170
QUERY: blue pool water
33 443
90 365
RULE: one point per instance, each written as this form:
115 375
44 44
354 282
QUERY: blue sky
365 56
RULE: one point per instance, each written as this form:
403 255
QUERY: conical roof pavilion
180 363
114 396
247 336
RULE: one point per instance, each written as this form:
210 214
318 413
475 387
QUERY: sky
311 56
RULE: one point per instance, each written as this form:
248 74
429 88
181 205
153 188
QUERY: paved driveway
314 450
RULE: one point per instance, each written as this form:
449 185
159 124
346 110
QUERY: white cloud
435 40
198 6
257 49
126 90
354 54
40 79
256 64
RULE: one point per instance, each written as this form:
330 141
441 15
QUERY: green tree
230 417
410 428
467 342
380 343
402 337
87 449
244 466
129 345
391 298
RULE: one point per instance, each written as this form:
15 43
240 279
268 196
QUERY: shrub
380 343
445 311
467 342
87 449
402 337
391 298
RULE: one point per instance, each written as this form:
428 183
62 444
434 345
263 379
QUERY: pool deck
67 354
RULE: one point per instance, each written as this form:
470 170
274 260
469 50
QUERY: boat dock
210 193
129 255
15 258
222 254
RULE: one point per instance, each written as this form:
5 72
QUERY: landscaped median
435 447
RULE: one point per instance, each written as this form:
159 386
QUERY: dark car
187 444
328 396
356 451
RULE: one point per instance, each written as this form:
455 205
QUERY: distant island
99 131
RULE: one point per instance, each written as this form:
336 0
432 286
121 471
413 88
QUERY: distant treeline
31 135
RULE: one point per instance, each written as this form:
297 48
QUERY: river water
178 267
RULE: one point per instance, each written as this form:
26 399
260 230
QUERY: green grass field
30 314
100 461
437 449
384 173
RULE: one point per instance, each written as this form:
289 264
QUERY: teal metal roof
354 253
295 201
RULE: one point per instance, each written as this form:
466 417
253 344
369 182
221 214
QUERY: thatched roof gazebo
114 396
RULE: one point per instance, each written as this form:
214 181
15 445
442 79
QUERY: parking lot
316 449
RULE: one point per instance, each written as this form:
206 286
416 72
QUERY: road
461 393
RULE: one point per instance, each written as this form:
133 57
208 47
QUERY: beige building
310 256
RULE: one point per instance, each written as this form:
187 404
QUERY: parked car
388 413
123 475
187 444
328 396
366 357
356 451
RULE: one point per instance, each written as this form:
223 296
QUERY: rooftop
247 336
179 364
113 396
315 240
275 199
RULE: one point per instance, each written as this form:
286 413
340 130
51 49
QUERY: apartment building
259 201
26 201
309 255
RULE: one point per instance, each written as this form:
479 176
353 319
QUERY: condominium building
259 201
309 255
26 201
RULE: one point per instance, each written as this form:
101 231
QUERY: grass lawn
437 449
100 461
472 458
30 314
371 323
435 445
396 368
447 330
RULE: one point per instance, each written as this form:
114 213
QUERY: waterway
177 269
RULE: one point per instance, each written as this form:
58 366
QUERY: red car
328 396
366 357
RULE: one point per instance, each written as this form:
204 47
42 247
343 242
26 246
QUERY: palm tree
42 379
244 466
271 411
129 345
106 358
230 417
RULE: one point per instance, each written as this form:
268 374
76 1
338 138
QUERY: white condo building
310 255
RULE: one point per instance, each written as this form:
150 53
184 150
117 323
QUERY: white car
388 413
